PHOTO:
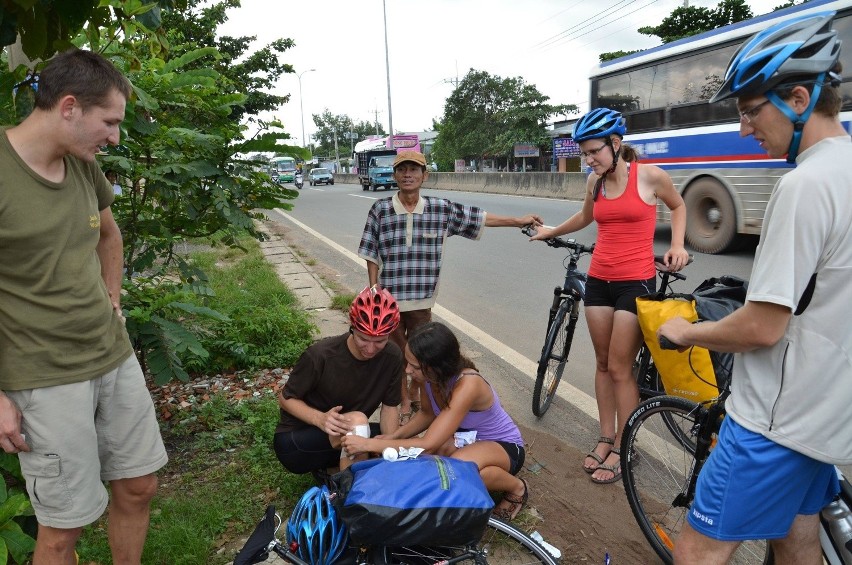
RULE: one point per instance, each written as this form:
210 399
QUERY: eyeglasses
751 113
594 152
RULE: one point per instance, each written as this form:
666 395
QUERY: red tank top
625 246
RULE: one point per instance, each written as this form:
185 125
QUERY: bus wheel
711 220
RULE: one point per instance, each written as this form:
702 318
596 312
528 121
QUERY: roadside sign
526 150
564 147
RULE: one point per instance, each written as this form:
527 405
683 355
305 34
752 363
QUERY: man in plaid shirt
403 240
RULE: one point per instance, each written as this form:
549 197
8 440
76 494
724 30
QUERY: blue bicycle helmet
315 528
599 123
801 50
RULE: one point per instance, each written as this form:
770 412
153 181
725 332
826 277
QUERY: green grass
266 328
342 302
222 471
221 476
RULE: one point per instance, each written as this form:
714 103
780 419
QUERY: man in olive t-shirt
74 405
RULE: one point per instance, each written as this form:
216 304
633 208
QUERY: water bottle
839 520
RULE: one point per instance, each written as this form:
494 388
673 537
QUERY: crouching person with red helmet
337 384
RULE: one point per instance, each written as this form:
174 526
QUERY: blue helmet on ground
599 123
320 535
793 51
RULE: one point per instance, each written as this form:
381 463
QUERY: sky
432 44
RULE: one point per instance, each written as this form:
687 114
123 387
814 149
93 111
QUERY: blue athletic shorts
753 488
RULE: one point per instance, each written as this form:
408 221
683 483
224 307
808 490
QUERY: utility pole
336 153
301 106
387 70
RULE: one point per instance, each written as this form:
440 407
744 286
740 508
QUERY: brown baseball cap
413 156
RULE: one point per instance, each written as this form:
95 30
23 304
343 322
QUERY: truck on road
374 159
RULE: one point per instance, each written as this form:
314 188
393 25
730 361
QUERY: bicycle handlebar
558 242
660 264
666 343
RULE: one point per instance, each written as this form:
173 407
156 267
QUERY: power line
561 42
602 13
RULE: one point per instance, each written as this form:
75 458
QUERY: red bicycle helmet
374 312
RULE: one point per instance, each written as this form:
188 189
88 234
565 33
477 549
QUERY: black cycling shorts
517 456
620 295
308 449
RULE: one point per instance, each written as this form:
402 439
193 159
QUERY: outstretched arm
756 325
495 221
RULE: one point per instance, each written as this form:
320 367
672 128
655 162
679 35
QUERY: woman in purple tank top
463 418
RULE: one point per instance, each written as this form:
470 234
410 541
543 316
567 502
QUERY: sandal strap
607 440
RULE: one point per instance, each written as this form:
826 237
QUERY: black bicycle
501 544
562 322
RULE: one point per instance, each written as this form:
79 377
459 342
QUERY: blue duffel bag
429 500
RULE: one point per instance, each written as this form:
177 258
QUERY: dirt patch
583 519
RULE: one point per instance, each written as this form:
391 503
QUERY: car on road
320 176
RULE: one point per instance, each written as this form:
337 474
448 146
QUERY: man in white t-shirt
792 378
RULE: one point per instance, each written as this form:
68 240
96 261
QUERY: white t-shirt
798 392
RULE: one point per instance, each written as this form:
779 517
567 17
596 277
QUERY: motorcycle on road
297 180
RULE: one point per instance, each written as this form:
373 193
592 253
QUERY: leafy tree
326 124
685 21
486 115
48 26
251 73
691 20
180 162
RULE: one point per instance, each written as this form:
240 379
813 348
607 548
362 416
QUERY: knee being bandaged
361 430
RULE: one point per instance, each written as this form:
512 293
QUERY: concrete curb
313 294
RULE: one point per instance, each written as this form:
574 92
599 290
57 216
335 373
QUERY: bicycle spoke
663 438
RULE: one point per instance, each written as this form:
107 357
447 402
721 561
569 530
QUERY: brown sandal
614 469
517 504
595 456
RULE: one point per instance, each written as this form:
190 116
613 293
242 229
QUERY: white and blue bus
725 179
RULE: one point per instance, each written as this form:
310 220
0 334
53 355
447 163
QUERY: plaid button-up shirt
407 246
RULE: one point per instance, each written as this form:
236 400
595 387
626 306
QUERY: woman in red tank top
621 196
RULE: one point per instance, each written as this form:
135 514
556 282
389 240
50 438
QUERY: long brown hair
437 350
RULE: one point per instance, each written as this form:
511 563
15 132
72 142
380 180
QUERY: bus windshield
285 167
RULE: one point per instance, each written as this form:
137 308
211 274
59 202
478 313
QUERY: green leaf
190 57
20 545
13 506
201 311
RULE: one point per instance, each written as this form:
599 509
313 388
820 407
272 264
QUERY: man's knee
802 542
56 541
692 547
357 418
137 490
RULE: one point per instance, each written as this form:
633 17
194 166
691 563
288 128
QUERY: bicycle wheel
502 544
553 358
657 472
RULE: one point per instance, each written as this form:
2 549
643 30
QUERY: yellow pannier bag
689 373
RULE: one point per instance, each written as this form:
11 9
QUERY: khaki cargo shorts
83 434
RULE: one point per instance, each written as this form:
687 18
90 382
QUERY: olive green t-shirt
57 325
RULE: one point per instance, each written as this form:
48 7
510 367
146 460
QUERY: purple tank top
493 424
